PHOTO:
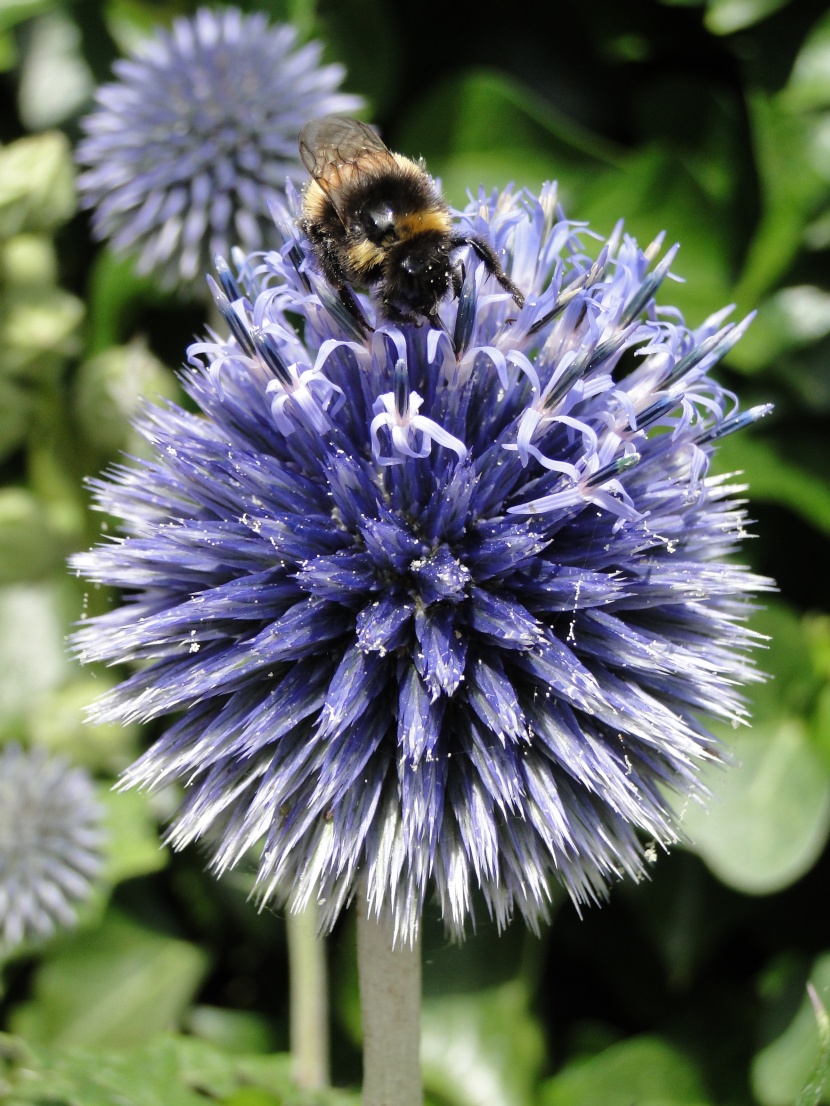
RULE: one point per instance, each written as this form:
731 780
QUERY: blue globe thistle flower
50 844
442 607
186 150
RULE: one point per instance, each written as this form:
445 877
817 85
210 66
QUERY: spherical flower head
438 606
185 151
50 844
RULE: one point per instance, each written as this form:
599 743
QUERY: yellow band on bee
421 222
364 256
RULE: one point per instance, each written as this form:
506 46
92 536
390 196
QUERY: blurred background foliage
707 118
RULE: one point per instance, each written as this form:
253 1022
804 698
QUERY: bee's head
418 272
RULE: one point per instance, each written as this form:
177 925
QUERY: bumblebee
376 219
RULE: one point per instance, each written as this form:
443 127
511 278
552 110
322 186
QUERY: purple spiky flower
442 607
51 841
185 151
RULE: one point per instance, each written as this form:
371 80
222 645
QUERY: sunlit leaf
775 479
38 327
481 127
32 656
724 17
809 83
812 1091
656 192
15 405
792 191
770 816
28 259
110 390
482 1046
789 662
168 1071
37 190
30 548
134 845
792 1066
231 1030
13 12
643 1070
55 81
791 318
58 722
115 987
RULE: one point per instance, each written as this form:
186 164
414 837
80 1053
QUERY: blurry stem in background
390 1007
309 1000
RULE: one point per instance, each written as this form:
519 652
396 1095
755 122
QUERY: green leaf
725 17
55 81
150 1076
58 722
817 639
15 409
168 1071
792 318
809 84
114 294
37 184
643 1070
482 1046
218 1072
375 72
110 390
232 1030
38 329
820 726
795 1062
654 192
776 479
115 987
13 12
812 1091
9 55
792 191
134 846
32 657
769 818
28 259
791 662
30 548
480 127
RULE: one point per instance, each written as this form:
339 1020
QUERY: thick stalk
309 1029
390 1006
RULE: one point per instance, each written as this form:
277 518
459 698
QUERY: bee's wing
336 148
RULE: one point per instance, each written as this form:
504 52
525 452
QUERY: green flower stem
390 1006
309 1000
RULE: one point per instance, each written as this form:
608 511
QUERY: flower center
440 575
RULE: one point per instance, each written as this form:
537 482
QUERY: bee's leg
328 261
491 262
344 294
457 275
395 314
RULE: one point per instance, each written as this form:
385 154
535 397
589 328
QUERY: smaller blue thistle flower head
441 607
185 151
51 841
